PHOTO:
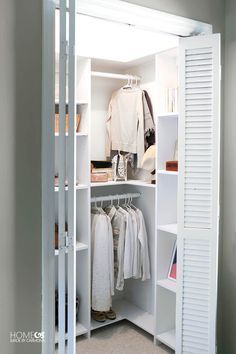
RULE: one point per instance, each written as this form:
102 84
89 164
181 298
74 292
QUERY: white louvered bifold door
67 170
198 194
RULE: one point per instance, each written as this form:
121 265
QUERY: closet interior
103 67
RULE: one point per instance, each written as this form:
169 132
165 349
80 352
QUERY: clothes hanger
118 202
95 207
101 208
128 85
125 203
132 205
128 203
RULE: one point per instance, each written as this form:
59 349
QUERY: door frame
118 11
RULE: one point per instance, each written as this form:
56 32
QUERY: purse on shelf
119 167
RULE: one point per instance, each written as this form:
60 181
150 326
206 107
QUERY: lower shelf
80 329
167 338
170 228
79 247
125 310
168 284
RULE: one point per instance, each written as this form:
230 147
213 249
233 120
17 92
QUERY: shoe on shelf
98 316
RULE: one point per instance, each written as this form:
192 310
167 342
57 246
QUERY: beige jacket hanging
125 123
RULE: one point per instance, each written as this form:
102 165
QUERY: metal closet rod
114 197
115 76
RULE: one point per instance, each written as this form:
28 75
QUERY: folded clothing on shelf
99 177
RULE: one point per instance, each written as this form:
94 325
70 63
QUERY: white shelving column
167 182
83 195
166 230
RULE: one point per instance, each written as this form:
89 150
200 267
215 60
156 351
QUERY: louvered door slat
198 195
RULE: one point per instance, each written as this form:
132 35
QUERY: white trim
136 15
71 274
48 109
115 76
62 178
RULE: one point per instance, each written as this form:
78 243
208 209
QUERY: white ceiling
97 38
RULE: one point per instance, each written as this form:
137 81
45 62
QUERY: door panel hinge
64 241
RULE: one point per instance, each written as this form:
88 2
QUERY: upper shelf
168 115
171 173
128 182
170 228
78 187
77 134
77 102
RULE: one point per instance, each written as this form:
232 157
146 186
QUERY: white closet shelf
167 338
170 228
77 134
78 187
164 172
168 115
80 329
127 311
79 247
168 284
79 102
129 182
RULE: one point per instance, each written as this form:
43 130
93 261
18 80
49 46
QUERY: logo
26 337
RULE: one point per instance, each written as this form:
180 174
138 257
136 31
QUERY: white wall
20 171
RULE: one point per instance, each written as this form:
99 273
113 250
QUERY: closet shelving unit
82 197
166 198
142 303
130 304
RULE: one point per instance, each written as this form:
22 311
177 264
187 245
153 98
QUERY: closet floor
119 338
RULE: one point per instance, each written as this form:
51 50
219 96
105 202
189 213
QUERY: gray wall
229 210
20 172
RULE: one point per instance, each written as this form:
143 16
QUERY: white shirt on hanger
144 253
103 263
125 123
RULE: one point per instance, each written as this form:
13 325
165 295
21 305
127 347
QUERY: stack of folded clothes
101 171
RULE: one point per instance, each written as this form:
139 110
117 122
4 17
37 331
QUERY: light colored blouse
125 123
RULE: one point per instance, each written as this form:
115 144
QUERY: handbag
119 167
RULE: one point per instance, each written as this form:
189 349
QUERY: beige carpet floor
119 338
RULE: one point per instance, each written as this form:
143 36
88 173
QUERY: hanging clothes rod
108 198
115 76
